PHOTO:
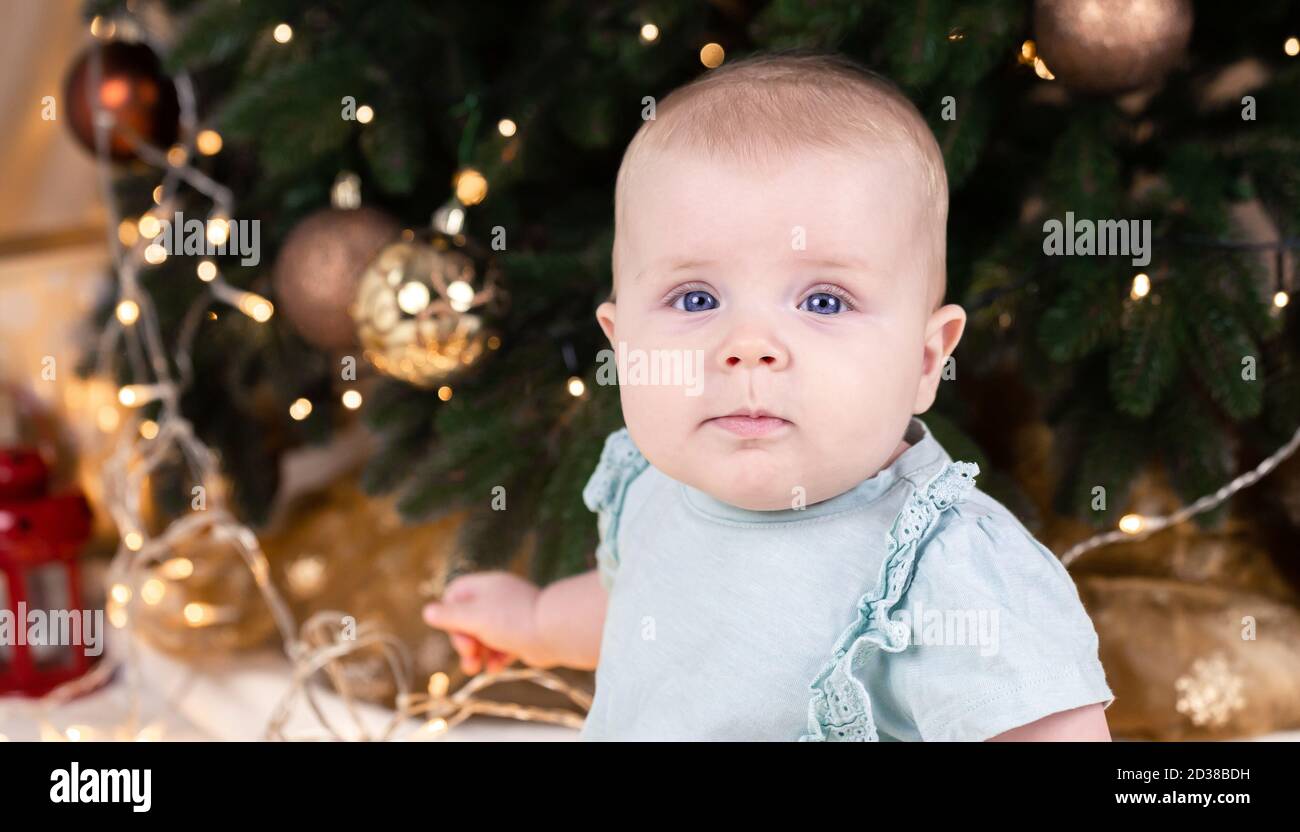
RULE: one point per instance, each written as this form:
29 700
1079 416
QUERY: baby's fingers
470 650
498 660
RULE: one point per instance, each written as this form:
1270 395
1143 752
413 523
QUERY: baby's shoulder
982 550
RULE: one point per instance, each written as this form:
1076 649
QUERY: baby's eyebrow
682 264
845 263
679 265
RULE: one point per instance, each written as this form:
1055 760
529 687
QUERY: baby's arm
571 618
495 617
1087 723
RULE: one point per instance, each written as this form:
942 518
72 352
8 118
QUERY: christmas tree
1179 356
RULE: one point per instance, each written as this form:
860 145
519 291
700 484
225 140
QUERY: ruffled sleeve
620 463
989 634
840 707
1035 650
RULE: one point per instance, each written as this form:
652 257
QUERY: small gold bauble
1111 46
201 599
419 310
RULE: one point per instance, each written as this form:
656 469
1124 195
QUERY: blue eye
695 301
823 303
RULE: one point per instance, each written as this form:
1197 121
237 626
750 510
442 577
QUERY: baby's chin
751 480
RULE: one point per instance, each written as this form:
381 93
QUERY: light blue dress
911 607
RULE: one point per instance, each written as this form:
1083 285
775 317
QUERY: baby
786 552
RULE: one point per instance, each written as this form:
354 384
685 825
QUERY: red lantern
40 538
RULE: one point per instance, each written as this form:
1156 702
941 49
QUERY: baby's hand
490 617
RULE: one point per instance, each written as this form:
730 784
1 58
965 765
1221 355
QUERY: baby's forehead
830 195
862 211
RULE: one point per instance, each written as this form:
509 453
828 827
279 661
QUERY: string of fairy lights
322 642
142 558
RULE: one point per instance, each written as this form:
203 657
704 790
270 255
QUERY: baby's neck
902 446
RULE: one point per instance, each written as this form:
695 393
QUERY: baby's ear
941 336
605 315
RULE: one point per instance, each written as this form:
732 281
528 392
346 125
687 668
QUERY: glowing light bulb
1291 47
149 429
152 591
460 295
218 230
576 387
135 395
649 33
1281 299
471 186
208 142
1141 286
434 727
149 226
121 593
300 409
413 297
133 540
351 399
197 614
365 114
1131 523
207 271
255 306
507 127
128 232
155 254
282 33
127 311
444 393
177 155
712 55
101 28
177 569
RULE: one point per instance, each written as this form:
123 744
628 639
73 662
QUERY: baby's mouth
749 423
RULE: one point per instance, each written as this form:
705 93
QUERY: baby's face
806 293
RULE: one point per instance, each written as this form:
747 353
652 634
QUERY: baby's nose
735 360
752 352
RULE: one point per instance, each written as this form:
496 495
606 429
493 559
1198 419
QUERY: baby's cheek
657 416
876 386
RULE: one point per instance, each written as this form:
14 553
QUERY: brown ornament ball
133 88
318 269
1111 46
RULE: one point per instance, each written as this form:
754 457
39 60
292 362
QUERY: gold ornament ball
213 606
419 311
1111 46
319 265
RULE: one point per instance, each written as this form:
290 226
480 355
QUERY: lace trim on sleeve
620 463
840 709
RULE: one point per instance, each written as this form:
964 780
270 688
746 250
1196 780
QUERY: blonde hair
760 110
